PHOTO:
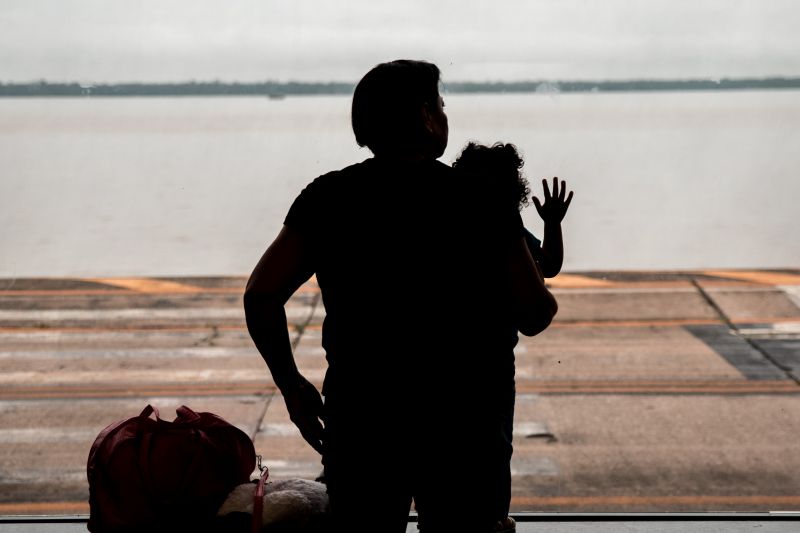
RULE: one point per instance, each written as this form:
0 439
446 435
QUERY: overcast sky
249 40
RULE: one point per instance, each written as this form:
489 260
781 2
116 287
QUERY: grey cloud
114 40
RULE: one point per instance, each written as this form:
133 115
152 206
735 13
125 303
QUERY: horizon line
713 79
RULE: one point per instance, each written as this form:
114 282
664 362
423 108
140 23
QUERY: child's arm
552 212
534 246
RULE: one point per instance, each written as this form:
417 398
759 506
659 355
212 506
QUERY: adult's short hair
387 103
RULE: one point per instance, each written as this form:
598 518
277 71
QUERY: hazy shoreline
283 89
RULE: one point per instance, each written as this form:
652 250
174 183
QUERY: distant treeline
624 85
214 88
281 89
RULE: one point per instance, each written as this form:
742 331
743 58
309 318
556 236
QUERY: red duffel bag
148 474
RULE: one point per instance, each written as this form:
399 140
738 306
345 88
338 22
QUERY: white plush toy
297 505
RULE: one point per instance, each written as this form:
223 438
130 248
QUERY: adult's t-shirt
408 257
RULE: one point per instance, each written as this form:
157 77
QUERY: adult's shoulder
327 192
343 174
336 184
444 168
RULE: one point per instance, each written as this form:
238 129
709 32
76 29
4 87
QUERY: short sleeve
514 221
305 210
533 243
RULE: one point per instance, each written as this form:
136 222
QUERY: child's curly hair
502 162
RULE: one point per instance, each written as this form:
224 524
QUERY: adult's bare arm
283 268
534 305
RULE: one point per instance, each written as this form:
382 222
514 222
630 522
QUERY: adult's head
397 110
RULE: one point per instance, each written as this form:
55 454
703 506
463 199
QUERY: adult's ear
427 117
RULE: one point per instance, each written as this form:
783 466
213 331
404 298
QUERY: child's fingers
546 189
555 187
537 205
569 199
563 190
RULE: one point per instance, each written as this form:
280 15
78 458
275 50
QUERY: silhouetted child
502 165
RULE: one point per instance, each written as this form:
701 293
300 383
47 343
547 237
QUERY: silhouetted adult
425 283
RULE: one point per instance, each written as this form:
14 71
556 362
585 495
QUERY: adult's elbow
539 319
256 302
550 271
534 325
251 301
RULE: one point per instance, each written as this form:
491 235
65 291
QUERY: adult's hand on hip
304 403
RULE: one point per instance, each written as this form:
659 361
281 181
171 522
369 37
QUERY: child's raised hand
555 206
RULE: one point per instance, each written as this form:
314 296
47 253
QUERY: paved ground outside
652 391
548 525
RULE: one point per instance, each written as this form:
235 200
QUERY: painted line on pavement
140 313
127 391
47 434
191 352
785 386
44 508
631 323
143 285
112 292
65 292
623 285
757 502
518 503
156 328
293 313
574 280
127 377
667 322
177 313
756 276
686 288
261 388
563 280
147 285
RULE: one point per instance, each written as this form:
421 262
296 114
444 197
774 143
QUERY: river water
199 186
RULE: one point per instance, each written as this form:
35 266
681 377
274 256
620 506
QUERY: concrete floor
765 525
651 392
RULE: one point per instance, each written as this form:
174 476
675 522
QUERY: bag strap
186 415
258 499
149 410
145 447
107 434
